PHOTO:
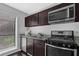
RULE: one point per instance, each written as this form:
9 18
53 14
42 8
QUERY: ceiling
31 8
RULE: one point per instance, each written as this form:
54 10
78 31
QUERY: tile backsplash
48 28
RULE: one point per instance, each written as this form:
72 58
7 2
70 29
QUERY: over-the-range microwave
63 14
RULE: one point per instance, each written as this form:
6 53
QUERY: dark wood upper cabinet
34 20
31 20
37 19
27 19
43 17
77 12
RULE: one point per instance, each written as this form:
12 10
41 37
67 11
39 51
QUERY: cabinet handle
30 49
40 43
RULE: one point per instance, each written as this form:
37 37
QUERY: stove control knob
63 45
49 42
69 46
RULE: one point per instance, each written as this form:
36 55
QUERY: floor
19 53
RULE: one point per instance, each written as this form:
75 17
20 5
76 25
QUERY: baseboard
24 53
18 53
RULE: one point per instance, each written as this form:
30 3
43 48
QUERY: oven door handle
60 47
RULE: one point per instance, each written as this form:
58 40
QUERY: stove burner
62 39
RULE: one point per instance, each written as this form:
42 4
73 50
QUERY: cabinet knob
40 43
29 49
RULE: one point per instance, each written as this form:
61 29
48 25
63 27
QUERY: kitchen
40 30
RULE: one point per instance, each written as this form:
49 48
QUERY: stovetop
62 39
61 42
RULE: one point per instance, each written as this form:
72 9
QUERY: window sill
8 51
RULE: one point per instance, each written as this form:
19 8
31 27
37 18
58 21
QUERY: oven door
51 50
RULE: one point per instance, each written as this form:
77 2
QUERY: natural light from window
7 34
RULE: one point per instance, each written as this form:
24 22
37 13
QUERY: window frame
13 48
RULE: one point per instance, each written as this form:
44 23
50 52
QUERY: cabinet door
29 46
34 20
31 20
28 21
39 47
76 12
43 18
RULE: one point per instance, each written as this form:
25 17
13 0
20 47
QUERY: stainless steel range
61 43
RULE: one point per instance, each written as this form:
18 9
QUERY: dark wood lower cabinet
35 47
39 48
29 46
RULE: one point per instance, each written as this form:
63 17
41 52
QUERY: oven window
52 51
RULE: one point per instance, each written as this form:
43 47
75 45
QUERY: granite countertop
35 37
76 38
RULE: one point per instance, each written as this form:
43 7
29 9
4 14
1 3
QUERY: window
7 33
